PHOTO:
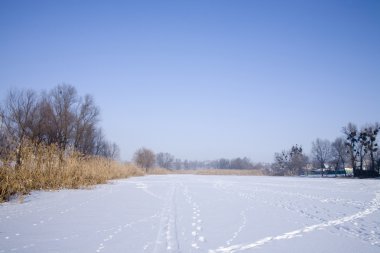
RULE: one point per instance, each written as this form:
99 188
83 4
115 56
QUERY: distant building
349 171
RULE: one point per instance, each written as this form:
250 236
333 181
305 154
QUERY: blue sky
203 79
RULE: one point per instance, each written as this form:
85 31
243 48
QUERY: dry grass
160 171
45 167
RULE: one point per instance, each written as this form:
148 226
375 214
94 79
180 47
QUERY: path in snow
187 213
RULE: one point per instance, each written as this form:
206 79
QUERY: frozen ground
186 213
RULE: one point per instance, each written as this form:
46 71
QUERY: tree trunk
372 162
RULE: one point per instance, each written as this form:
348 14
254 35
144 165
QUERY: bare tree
351 133
377 161
223 163
85 125
281 164
290 162
114 151
321 150
241 164
362 148
99 143
64 102
339 153
178 164
5 142
110 150
298 160
186 164
361 151
164 160
101 147
367 139
18 117
144 158
58 117
44 130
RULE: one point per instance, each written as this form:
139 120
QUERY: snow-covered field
188 213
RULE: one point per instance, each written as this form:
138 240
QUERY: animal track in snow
196 221
114 231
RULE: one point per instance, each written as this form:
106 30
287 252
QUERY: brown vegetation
46 167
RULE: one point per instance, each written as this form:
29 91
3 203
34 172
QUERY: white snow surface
189 213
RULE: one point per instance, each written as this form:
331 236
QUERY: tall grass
47 167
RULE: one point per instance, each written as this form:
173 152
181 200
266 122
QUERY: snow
189 213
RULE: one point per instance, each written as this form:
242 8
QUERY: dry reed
160 171
48 168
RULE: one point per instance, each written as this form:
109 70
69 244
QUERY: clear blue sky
203 79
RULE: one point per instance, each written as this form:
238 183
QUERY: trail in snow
189 214
375 205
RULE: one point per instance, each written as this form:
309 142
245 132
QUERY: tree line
57 117
146 158
356 149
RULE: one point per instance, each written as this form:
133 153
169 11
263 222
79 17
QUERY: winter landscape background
118 119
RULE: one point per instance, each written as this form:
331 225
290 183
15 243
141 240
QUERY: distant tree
260 166
186 164
298 160
321 151
290 162
195 164
114 151
351 133
223 164
281 164
361 151
339 153
367 139
144 158
110 150
241 164
165 160
178 164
